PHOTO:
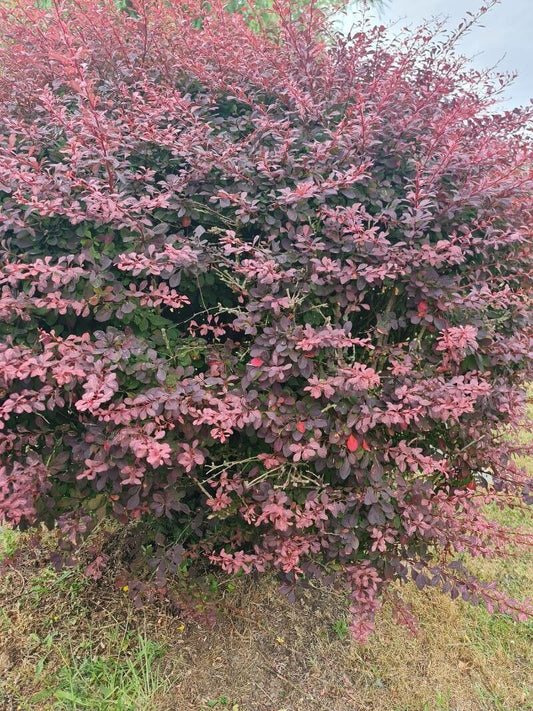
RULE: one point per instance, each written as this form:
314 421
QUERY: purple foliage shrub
265 288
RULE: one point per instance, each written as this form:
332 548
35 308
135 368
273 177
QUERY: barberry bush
264 288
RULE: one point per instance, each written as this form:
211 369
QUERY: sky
505 37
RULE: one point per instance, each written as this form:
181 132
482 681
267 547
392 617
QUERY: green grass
125 677
223 702
341 628
8 543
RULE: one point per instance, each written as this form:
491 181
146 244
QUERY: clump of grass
8 542
341 628
222 702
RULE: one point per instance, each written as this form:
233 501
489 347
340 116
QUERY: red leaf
256 362
366 446
300 426
352 443
186 221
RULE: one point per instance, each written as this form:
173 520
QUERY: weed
223 702
341 628
8 543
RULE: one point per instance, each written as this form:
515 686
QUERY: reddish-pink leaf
352 443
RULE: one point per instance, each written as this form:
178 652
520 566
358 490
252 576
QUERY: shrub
265 290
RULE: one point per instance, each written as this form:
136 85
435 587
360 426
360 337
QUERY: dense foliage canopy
268 289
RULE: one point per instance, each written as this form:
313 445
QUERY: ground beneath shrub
69 644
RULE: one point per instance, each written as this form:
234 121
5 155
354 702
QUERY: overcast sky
506 35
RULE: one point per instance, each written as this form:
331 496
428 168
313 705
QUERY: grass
92 679
66 643
8 543
69 661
